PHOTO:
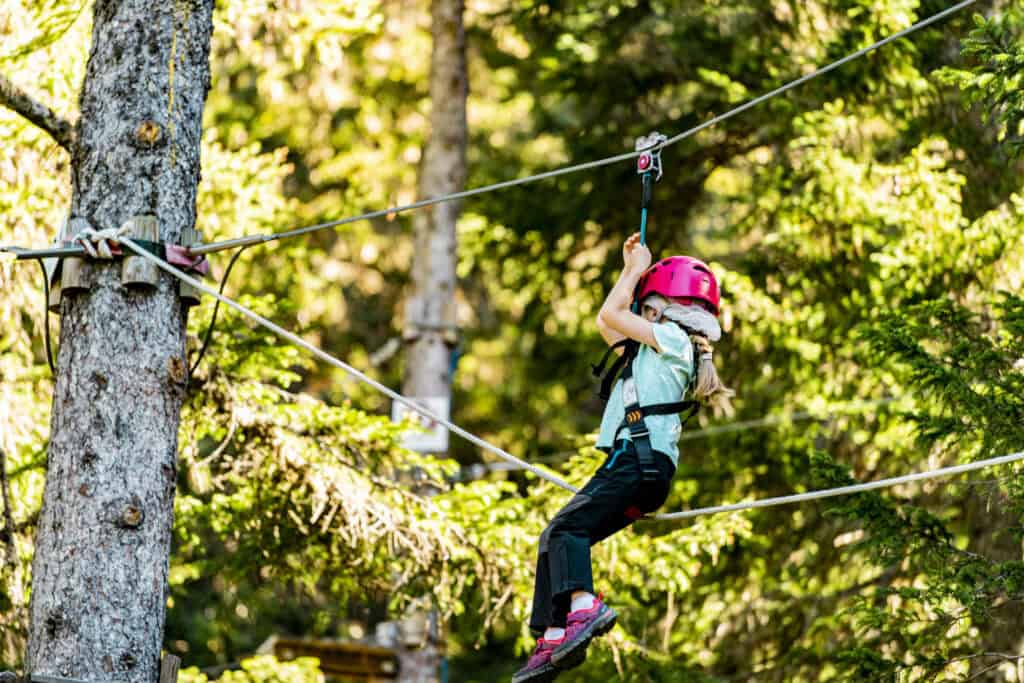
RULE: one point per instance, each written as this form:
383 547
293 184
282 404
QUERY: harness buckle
641 433
634 416
649 475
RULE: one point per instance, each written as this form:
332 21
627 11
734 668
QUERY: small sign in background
434 438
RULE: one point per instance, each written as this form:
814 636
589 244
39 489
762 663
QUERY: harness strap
598 369
689 407
634 412
631 348
638 432
637 425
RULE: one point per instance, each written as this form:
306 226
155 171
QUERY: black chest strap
629 350
634 412
638 431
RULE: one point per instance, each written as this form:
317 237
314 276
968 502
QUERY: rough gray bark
101 559
430 314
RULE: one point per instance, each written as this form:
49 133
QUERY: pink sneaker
538 668
582 626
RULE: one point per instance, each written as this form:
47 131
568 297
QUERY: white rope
844 490
97 243
430 201
341 365
412 405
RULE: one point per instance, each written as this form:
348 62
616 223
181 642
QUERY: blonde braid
709 389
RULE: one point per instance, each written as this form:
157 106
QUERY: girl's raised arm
615 320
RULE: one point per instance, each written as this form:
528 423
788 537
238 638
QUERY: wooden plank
74 276
135 270
53 277
355 661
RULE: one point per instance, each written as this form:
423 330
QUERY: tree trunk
430 314
100 569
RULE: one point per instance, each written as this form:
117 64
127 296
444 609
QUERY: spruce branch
20 102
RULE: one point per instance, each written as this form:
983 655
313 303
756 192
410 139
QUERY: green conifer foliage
867 229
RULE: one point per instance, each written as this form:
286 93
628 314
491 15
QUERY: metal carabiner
650 160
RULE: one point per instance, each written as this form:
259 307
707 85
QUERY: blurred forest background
867 229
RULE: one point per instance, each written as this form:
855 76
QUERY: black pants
613 499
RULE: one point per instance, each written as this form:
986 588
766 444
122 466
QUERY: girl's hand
636 256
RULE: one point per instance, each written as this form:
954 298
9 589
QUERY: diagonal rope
430 201
412 405
341 365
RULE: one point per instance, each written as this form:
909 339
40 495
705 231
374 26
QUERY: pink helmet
680 276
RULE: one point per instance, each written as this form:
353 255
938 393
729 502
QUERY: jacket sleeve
676 350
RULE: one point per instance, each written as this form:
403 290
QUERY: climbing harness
634 419
635 414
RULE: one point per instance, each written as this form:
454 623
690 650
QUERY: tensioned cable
342 365
394 395
259 239
845 490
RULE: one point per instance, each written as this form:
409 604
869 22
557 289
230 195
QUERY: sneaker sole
574 656
544 675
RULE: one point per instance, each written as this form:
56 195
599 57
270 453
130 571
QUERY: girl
666 354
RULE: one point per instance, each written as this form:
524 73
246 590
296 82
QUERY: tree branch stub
20 102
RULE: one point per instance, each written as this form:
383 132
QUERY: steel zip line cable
394 395
259 239
341 365
430 201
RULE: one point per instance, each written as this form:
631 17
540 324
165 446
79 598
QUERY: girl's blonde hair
708 387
